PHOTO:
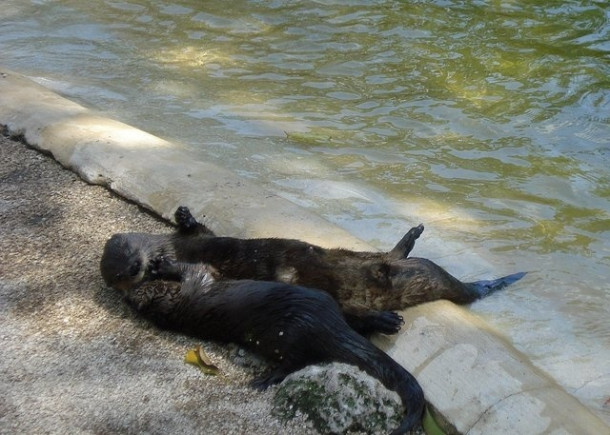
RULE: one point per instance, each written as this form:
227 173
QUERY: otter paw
388 322
417 231
160 267
262 383
272 378
184 219
404 247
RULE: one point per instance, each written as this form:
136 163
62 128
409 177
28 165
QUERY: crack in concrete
584 385
500 401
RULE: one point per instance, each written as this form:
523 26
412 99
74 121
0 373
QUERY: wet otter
359 281
293 326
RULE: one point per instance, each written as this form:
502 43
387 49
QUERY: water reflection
489 121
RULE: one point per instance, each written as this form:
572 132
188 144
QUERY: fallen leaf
199 358
431 427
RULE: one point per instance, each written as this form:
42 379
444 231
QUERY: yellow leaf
191 357
199 358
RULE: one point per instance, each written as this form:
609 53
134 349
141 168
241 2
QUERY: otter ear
406 244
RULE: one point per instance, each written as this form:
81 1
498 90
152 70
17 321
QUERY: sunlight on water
487 120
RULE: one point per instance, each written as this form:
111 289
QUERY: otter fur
359 281
290 325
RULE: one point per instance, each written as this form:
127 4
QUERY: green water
489 121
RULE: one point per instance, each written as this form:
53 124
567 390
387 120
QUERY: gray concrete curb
474 381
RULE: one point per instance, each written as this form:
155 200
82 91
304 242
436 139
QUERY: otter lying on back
293 326
359 281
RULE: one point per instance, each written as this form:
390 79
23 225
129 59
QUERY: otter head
373 284
124 261
396 284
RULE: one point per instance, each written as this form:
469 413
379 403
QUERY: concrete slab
474 380
477 381
153 172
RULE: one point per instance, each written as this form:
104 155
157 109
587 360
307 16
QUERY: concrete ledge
477 382
474 380
153 172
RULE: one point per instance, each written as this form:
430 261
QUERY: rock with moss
338 398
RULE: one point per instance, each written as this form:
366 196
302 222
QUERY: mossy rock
338 398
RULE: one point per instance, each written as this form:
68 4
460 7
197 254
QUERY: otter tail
481 289
412 397
363 354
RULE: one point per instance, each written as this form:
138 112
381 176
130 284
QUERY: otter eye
134 269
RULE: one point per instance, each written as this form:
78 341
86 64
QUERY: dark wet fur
359 281
291 325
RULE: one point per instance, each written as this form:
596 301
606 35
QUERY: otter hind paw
404 247
265 382
184 219
275 376
418 230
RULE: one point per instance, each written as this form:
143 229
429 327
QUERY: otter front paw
388 322
370 321
164 268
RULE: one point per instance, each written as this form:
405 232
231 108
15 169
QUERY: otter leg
366 321
187 224
185 220
406 244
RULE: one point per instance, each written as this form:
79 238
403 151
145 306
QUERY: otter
359 281
290 325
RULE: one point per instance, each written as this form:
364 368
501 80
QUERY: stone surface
338 399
